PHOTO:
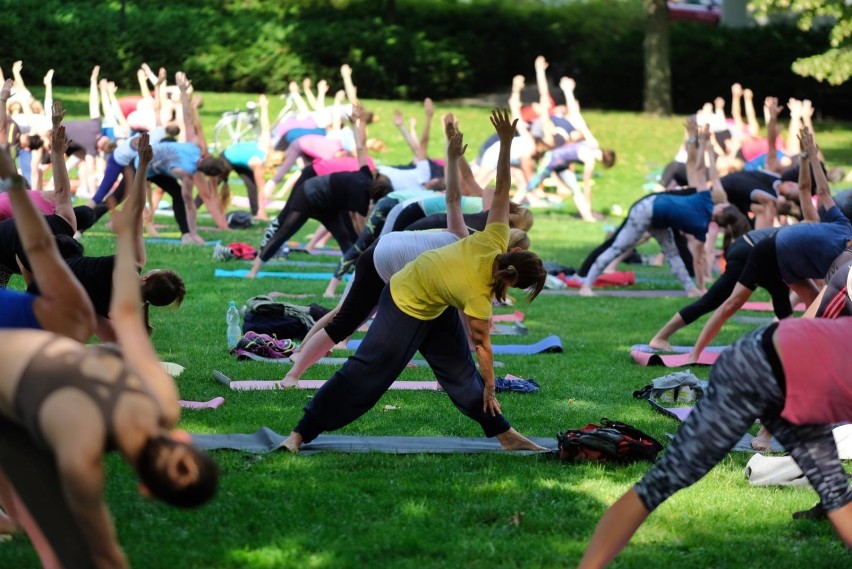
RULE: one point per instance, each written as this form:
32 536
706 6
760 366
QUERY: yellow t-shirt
458 275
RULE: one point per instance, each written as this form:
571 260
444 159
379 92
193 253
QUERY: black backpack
611 442
265 315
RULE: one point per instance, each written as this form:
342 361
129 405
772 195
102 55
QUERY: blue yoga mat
241 273
174 241
551 344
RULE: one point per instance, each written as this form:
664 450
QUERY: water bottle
234 328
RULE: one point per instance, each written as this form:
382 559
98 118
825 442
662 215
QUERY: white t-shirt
397 249
408 178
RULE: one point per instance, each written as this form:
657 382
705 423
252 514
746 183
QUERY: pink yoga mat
672 360
214 403
259 385
767 306
516 316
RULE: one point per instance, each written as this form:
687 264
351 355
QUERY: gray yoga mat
267 440
744 444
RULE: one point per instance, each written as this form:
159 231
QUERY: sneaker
265 345
222 252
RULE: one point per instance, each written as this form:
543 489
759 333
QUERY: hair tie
511 269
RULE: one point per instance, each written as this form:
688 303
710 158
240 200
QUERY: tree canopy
833 66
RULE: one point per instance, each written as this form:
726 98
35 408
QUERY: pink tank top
818 370
44 206
343 164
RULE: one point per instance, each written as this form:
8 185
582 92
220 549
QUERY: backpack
239 219
611 442
265 315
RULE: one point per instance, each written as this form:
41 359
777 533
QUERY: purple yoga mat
623 293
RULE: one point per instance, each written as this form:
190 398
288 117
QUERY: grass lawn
331 511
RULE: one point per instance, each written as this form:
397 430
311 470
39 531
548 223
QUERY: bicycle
244 125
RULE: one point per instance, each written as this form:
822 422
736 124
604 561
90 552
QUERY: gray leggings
637 224
742 389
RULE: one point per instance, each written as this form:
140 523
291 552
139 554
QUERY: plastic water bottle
234 328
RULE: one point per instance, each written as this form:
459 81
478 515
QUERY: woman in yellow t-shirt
419 310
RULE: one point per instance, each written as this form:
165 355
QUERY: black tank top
81 370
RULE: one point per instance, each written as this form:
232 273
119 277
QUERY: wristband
692 140
803 155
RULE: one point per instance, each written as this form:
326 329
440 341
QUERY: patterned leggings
631 232
742 389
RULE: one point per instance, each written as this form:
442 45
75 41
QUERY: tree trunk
658 73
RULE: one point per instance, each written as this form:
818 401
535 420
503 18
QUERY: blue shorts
16 310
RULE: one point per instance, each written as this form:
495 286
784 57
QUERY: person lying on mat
418 311
160 287
796 253
328 199
662 215
381 261
76 403
792 375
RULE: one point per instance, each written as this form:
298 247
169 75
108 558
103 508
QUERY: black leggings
172 187
409 214
735 260
247 176
362 298
293 217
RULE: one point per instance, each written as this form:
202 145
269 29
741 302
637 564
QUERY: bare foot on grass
513 440
586 291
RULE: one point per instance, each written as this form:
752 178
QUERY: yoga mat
759 320
32 472
551 344
672 360
296 247
618 278
267 440
516 316
327 361
289 263
241 273
214 403
270 385
676 349
621 293
171 241
744 444
767 306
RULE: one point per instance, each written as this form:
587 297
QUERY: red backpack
611 441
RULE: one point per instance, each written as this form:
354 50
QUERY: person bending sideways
418 311
71 404
794 377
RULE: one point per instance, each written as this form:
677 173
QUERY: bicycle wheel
233 129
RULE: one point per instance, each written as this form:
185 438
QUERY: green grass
331 511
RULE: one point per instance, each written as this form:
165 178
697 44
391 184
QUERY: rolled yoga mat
214 403
267 440
516 316
551 344
241 273
33 473
744 444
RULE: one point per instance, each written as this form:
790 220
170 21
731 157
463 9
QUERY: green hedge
437 48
